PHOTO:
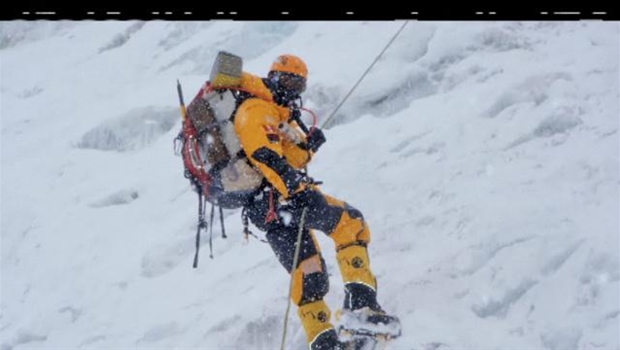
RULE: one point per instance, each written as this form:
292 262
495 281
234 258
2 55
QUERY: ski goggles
292 82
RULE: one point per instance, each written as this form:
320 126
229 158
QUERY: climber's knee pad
310 281
351 228
355 266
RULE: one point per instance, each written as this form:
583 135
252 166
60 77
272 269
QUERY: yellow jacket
272 143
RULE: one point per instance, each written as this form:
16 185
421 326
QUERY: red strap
271 214
192 159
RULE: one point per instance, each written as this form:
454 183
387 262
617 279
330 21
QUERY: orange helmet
290 64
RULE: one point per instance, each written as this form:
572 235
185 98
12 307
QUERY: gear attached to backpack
211 151
214 161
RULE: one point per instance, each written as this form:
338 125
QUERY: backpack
212 155
213 159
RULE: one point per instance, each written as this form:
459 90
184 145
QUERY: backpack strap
201 224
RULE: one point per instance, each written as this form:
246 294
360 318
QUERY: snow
484 156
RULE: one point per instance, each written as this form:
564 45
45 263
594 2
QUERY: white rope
365 73
290 289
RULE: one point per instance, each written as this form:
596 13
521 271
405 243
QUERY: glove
315 139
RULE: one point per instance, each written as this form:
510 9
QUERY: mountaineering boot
363 315
328 340
320 332
354 266
361 312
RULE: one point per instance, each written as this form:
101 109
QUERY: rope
211 231
290 289
325 124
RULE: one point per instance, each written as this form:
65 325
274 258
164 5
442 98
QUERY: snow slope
484 156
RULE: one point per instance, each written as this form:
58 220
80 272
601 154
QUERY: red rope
314 119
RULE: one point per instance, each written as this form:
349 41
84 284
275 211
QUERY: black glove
315 139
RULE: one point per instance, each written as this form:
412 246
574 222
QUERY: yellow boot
315 318
359 281
361 309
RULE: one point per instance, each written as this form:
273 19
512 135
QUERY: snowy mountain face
484 157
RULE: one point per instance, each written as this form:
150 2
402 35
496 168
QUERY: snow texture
484 156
